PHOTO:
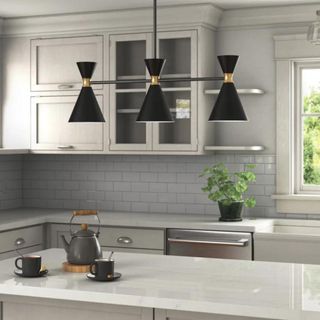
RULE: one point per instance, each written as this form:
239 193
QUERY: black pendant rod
160 80
155 29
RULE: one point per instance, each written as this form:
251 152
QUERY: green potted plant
228 190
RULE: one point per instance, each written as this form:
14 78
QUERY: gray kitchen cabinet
20 310
53 62
179 48
290 248
33 241
50 129
161 314
122 239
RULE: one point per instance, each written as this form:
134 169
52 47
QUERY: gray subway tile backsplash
165 184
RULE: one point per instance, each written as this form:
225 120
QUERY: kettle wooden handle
85 213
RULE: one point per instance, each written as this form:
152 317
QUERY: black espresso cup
102 268
30 265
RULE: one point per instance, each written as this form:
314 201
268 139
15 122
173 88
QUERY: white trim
294 15
114 21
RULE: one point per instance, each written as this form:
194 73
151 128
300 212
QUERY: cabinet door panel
180 51
53 62
72 310
127 54
161 314
52 131
287 248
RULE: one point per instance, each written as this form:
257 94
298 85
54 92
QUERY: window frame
290 50
300 187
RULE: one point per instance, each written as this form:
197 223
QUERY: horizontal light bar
160 80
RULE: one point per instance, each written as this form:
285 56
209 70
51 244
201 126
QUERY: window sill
297 203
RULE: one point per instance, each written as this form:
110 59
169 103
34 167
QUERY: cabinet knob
65 86
65 147
124 240
19 242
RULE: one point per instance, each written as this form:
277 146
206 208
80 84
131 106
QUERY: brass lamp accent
86 82
228 78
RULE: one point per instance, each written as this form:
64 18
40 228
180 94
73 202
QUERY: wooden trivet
78 268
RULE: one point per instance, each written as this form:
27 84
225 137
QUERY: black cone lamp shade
86 108
228 106
154 107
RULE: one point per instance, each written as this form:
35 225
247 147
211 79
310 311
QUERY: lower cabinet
65 311
32 239
161 314
121 239
292 248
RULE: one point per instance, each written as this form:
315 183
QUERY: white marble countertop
230 287
17 218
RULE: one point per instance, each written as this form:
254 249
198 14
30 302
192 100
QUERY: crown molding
283 16
196 15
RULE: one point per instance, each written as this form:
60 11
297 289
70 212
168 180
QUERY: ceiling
22 8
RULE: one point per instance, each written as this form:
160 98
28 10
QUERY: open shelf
131 90
233 148
132 77
176 89
127 111
182 89
168 76
240 91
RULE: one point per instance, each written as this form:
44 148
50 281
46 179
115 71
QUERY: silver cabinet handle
237 243
65 86
19 242
124 240
65 147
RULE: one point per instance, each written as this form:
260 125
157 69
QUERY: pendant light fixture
155 108
86 108
228 106
313 35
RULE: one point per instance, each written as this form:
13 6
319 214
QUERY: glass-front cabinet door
180 51
127 54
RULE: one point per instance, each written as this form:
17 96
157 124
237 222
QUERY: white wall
255 69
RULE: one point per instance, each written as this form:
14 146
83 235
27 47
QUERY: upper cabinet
50 129
53 62
127 54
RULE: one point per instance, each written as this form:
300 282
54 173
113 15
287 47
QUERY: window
298 125
307 135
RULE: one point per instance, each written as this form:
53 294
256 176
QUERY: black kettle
84 246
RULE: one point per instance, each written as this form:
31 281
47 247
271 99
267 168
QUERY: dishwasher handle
237 243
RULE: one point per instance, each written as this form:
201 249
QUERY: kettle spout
66 245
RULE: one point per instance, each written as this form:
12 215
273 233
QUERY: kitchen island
164 287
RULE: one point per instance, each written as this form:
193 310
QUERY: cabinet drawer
132 238
12 254
132 250
50 129
53 62
32 236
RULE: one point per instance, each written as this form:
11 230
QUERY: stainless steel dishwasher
212 244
